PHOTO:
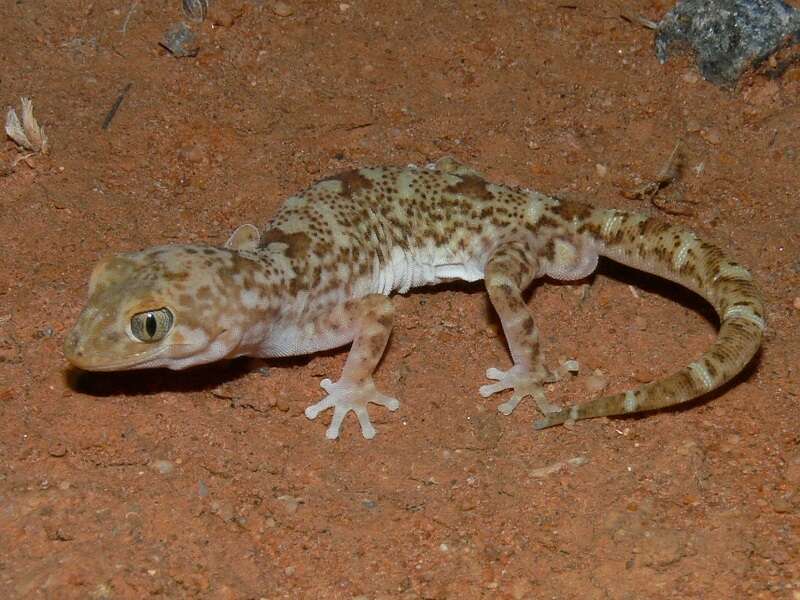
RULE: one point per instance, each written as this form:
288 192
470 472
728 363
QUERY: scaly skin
320 274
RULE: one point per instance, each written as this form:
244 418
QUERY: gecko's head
156 308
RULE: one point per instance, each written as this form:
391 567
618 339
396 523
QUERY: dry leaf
28 133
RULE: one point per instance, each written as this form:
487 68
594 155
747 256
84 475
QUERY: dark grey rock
180 41
727 36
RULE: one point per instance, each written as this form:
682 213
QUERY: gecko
320 274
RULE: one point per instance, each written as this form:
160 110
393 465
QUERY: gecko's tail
672 252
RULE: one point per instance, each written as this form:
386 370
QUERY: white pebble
164 467
282 9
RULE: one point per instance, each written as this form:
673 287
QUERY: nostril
71 343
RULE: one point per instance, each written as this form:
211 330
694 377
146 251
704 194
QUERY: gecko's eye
152 325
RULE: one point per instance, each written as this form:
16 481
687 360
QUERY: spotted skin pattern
319 276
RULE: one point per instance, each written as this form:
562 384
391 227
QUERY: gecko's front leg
371 319
509 271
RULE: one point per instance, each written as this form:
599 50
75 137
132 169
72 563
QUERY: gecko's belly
409 269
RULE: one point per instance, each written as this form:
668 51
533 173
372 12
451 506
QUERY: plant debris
195 10
669 173
557 466
26 133
115 106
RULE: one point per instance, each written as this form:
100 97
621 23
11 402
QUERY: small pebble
164 467
43 333
571 366
101 592
692 126
690 77
796 302
202 489
283 404
222 17
224 510
290 503
180 41
642 374
58 449
194 154
601 170
711 135
195 10
687 448
282 9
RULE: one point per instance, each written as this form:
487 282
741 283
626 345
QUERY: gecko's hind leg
509 271
372 324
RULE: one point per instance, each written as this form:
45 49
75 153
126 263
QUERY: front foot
524 381
344 396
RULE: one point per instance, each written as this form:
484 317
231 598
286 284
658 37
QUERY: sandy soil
212 483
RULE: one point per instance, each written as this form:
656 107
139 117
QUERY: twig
669 173
629 15
557 466
634 18
115 107
671 169
124 27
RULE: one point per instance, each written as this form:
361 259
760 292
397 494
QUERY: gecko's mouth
78 358
173 355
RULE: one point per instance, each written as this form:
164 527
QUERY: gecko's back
319 276
398 228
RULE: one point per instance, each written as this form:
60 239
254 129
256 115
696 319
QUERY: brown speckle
352 182
471 185
297 243
570 209
185 300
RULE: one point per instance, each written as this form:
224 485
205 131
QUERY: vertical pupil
150 324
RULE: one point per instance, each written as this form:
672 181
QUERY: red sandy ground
212 483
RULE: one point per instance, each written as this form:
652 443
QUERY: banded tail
672 252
